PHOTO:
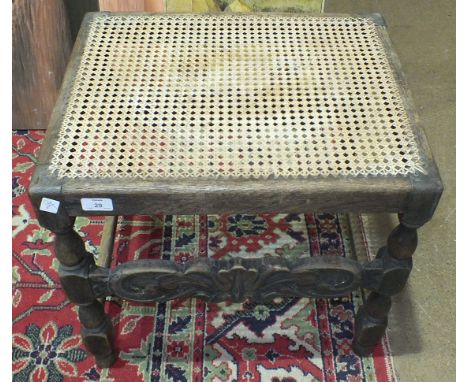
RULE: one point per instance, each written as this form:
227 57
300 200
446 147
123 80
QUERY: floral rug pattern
293 339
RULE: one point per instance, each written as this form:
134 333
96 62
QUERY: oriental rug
293 339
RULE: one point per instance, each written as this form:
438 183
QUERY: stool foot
97 333
371 322
106 361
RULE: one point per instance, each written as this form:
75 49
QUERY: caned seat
232 101
224 113
188 96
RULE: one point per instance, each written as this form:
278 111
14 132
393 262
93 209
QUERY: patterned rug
186 340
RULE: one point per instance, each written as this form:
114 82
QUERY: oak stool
232 113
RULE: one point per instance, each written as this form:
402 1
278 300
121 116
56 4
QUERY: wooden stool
224 113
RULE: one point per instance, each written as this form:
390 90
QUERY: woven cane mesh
234 96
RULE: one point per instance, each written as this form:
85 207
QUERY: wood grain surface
131 5
41 48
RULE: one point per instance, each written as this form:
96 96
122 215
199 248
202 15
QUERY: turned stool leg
75 263
372 317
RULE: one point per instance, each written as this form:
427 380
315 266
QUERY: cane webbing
234 96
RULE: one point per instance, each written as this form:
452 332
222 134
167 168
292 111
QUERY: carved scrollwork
235 278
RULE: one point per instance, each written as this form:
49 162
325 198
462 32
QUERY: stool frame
413 197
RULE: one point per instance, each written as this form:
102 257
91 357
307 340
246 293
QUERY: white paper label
96 204
49 205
